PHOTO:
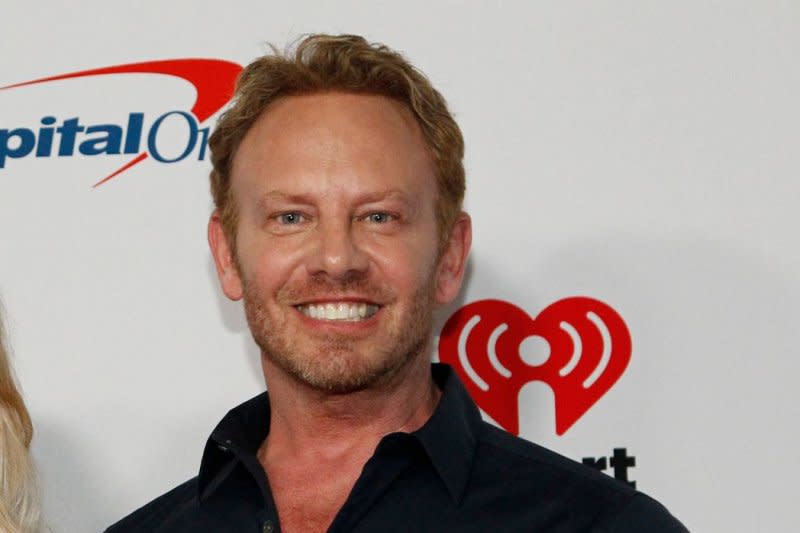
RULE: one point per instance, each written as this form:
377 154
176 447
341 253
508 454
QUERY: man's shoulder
501 451
156 513
528 472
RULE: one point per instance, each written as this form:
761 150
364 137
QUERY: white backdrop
641 153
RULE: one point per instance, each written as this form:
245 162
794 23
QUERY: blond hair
346 63
19 502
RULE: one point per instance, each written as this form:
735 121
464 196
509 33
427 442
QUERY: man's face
337 240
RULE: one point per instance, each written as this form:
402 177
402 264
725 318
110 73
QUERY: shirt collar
237 436
449 437
451 434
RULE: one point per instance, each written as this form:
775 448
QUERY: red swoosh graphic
213 79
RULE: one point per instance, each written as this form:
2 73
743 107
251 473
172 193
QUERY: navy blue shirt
456 473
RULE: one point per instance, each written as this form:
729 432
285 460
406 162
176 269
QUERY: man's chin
341 371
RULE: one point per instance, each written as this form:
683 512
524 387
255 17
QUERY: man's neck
310 425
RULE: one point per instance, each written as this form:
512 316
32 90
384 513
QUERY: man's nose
338 251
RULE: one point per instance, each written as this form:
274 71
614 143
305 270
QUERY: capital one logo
578 346
213 80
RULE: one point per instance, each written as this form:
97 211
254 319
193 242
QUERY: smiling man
338 183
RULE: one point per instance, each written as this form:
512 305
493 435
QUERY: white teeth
339 311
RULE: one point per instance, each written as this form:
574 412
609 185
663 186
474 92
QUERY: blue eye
290 218
379 218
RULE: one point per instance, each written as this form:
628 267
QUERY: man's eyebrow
305 199
277 196
377 196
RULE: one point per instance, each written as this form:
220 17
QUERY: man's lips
347 311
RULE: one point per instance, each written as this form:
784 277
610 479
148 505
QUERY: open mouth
338 311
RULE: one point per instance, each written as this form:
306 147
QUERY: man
338 184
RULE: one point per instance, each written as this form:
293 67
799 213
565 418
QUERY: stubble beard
333 363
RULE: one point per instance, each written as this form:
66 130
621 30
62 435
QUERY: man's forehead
295 107
312 138
349 119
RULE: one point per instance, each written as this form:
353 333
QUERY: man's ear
227 272
453 262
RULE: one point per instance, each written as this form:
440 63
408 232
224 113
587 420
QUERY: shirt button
268 527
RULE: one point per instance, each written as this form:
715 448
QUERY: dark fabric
456 473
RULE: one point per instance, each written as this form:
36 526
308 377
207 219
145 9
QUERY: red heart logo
578 346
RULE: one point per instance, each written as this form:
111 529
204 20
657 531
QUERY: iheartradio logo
578 346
